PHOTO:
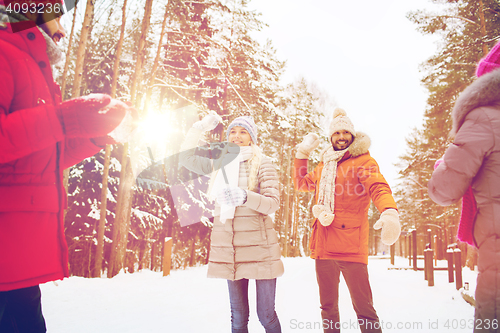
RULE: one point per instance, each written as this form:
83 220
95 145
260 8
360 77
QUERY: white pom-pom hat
340 122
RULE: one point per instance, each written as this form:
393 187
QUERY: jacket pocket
29 198
342 240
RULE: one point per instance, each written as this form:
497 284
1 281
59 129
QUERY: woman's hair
254 167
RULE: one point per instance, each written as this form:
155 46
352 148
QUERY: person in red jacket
39 138
344 182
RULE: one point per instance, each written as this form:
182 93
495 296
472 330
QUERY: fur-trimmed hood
482 92
359 146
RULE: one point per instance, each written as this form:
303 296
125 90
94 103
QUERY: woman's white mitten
209 122
232 196
391 228
304 149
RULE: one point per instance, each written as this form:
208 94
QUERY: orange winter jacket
358 180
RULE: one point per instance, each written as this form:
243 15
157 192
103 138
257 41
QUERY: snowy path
187 301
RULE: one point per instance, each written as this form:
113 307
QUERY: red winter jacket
33 155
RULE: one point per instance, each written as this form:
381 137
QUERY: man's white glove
209 122
232 196
304 149
391 229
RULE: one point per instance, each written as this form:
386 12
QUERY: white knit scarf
232 170
326 195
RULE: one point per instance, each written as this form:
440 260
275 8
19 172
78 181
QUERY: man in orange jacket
344 182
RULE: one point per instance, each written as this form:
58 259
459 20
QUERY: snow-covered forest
175 61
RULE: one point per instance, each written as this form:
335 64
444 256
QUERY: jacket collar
482 92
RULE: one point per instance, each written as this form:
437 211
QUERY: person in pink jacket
470 169
39 138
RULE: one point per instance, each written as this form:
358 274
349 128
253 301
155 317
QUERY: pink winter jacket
473 160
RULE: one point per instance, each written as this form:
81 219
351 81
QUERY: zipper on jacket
234 250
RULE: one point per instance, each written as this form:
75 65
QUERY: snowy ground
187 301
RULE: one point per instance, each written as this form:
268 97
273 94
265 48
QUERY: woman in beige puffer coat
244 244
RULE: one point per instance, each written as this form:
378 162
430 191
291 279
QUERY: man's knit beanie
340 122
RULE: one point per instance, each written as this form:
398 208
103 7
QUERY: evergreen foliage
467 29
209 61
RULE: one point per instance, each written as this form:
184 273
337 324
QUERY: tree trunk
483 27
296 238
287 215
115 263
125 222
107 155
119 48
68 53
136 76
124 202
80 55
103 213
80 58
280 214
155 64
294 217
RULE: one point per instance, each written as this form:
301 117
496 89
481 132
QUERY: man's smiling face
341 139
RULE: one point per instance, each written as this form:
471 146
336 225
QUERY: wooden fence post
429 266
440 249
458 268
408 244
167 256
414 245
426 263
449 256
429 238
393 253
436 248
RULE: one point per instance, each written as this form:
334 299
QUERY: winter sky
365 54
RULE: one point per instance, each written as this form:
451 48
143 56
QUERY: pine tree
208 60
302 109
467 30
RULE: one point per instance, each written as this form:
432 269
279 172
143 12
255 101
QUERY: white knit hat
340 122
247 123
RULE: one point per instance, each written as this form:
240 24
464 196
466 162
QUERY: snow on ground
187 301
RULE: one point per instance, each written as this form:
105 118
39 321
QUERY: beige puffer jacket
245 247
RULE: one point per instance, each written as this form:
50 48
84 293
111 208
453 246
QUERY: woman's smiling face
240 136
